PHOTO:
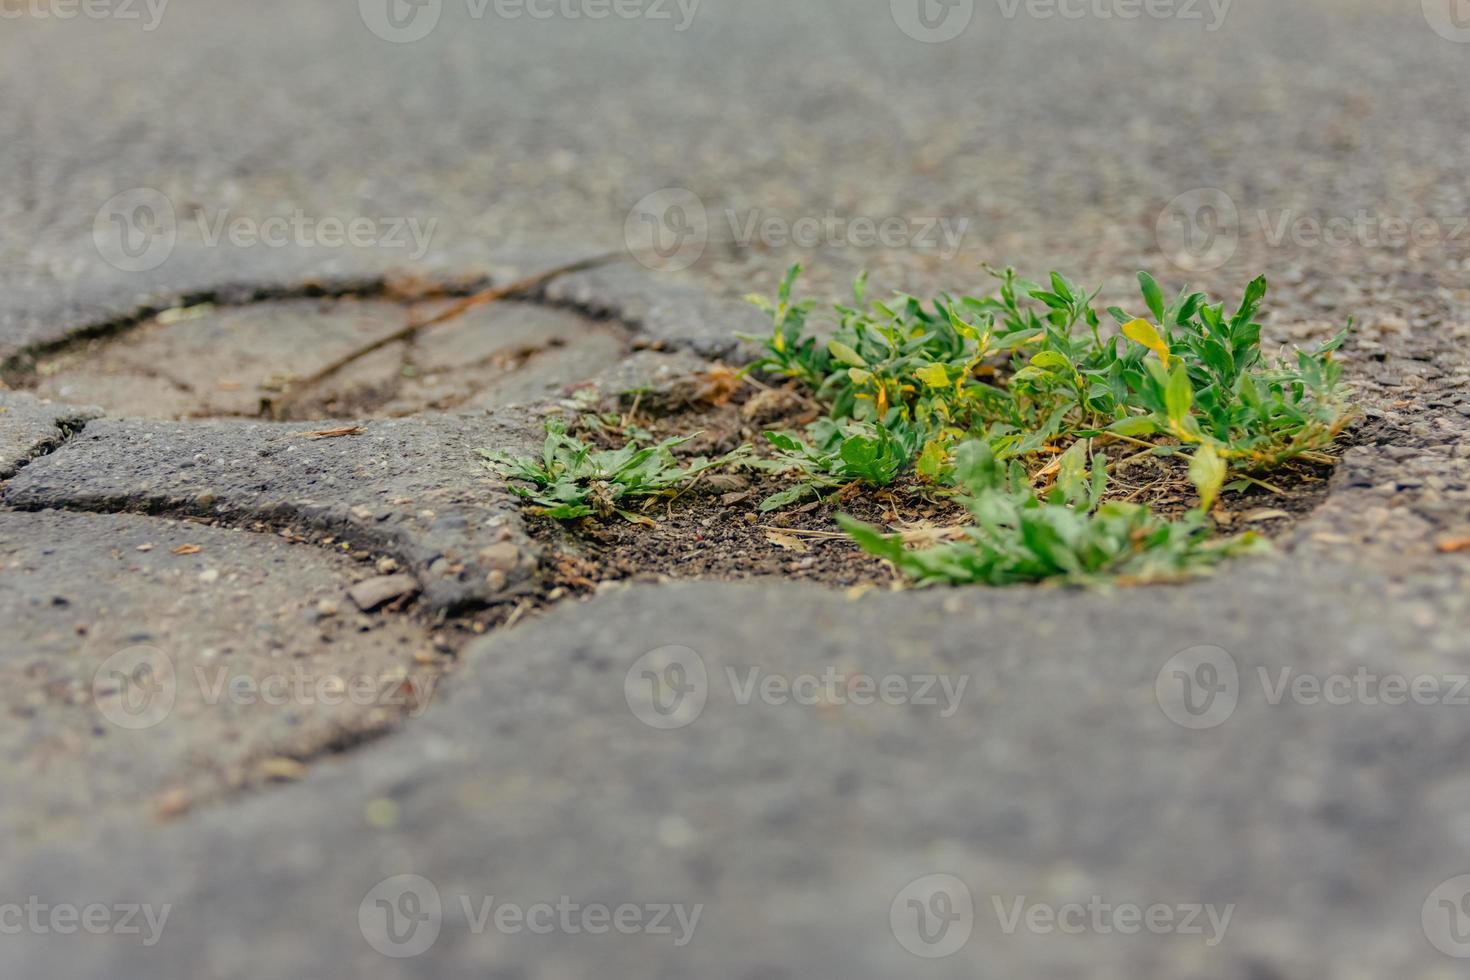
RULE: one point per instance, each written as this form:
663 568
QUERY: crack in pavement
31 428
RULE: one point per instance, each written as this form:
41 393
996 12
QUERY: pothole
213 362
717 531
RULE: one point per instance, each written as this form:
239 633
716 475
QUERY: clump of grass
844 452
1069 535
1030 370
989 398
573 480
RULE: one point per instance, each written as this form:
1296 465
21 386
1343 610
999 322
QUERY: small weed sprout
572 479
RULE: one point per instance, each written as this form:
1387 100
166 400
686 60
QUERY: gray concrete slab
410 489
151 666
1312 141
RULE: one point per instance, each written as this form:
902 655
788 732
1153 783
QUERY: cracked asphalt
261 712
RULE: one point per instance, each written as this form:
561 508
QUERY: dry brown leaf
1265 514
346 430
786 542
718 384
188 549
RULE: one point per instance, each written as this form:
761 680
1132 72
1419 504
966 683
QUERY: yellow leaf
1207 471
935 376
1144 333
931 461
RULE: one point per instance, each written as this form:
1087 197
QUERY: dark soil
715 530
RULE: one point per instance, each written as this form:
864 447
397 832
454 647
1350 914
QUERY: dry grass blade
346 430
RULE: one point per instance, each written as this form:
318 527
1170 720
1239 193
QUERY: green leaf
1179 395
1052 361
785 442
846 354
784 292
870 539
1141 426
1152 295
1072 473
975 468
786 497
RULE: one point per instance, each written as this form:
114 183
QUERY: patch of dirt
721 534
715 529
